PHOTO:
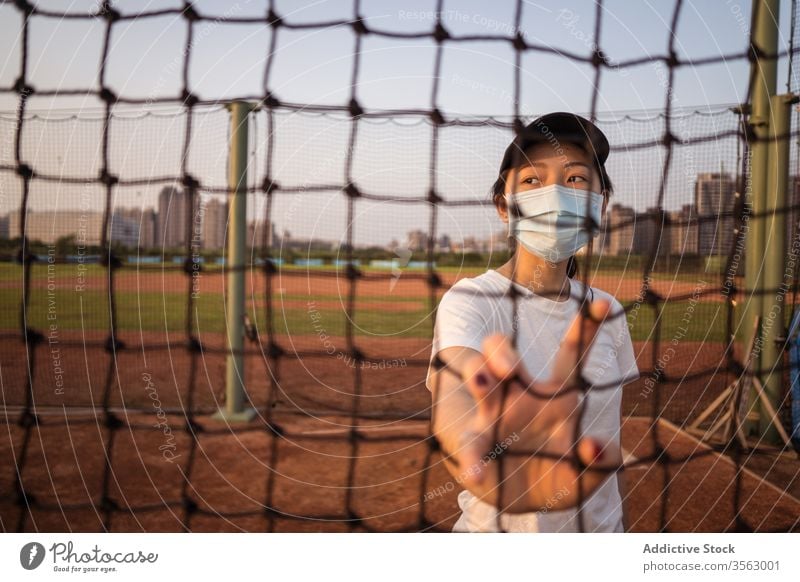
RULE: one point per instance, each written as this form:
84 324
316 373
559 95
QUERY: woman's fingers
483 385
503 360
600 459
577 342
543 424
596 454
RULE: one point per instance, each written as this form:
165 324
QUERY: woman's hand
510 435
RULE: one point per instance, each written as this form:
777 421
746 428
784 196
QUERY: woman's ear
502 208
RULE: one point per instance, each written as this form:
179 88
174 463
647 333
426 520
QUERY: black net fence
114 348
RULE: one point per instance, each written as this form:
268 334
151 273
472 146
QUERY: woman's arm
454 406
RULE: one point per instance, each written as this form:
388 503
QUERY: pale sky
391 156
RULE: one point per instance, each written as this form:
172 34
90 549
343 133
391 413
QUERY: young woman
551 188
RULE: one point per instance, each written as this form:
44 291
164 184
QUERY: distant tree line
67 246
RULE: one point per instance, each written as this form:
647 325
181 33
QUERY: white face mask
551 224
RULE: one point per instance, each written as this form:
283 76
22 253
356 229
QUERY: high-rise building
147 229
173 214
714 195
621 223
86 227
48 228
602 240
124 230
255 235
215 223
417 240
145 219
651 233
683 239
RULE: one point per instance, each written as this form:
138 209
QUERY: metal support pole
777 271
235 410
764 81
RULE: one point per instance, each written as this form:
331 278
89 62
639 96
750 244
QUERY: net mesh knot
440 33
190 13
273 19
108 12
107 96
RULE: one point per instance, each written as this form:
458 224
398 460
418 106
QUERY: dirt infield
64 467
392 382
698 495
364 305
64 470
65 464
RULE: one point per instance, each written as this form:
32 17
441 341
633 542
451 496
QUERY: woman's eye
577 178
530 180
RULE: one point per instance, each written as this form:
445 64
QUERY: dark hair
498 193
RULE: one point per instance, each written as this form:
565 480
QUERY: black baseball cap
555 127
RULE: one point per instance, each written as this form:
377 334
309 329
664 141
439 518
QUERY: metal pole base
243 416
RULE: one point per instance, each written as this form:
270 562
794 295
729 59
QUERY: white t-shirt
476 307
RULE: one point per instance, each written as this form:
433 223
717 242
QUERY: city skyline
312 169
624 230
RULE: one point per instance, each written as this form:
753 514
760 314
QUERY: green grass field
167 311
